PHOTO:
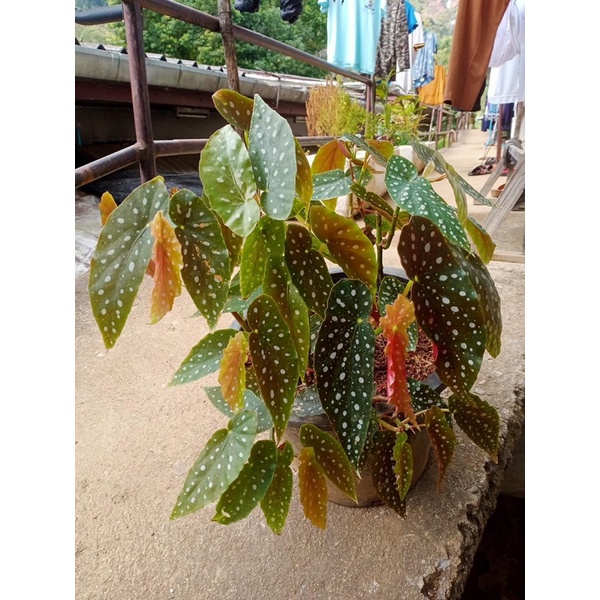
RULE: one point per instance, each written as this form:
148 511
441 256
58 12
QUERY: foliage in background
177 39
331 111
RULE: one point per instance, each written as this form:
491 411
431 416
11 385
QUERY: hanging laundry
353 29
474 33
411 17
433 92
423 70
393 50
290 10
507 79
416 40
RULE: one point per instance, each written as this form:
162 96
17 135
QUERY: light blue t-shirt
353 28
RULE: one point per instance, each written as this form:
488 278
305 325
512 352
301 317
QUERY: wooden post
229 44
499 135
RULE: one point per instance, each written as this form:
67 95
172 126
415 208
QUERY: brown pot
365 490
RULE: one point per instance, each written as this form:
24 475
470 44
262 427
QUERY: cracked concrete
136 438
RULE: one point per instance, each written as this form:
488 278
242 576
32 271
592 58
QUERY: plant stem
407 288
392 231
378 239
243 323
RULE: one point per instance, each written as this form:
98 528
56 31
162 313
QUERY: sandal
482 170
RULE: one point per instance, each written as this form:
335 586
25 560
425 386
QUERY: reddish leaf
329 157
167 267
304 183
313 488
385 147
106 206
232 375
398 318
442 438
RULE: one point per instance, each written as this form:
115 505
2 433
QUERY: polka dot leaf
277 284
442 437
272 148
267 238
344 363
313 488
304 183
204 358
424 397
233 241
368 147
307 403
383 471
235 108
447 306
331 184
399 316
478 419
403 464
167 267
481 240
274 359
235 301
106 206
251 485
348 245
122 254
229 185
276 502
308 268
329 157
331 456
232 372
488 296
251 402
206 266
389 289
416 196
218 465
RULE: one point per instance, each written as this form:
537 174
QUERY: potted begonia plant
261 243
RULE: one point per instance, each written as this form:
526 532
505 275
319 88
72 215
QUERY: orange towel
433 92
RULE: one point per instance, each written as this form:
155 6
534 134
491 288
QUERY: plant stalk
242 322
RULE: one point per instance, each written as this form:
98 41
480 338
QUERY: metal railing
146 149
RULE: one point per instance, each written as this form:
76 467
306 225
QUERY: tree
177 39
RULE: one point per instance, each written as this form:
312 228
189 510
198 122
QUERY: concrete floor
136 438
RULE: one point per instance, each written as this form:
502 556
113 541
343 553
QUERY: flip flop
482 170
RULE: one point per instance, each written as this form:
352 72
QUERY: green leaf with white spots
442 437
218 465
389 290
206 268
365 457
251 402
447 306
229 185
489 298
383 471
308 268
267 238
330 185
403 464
233 241
204 358
478 419
481 239
277 284
315 325
234 108
307 403
304 183
313 488
274 359
424 396
416 196
235 301
276 502
330 455
272 150
348 245
377 202
122 255
251 485
344 363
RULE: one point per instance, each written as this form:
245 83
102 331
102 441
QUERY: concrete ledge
136 439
